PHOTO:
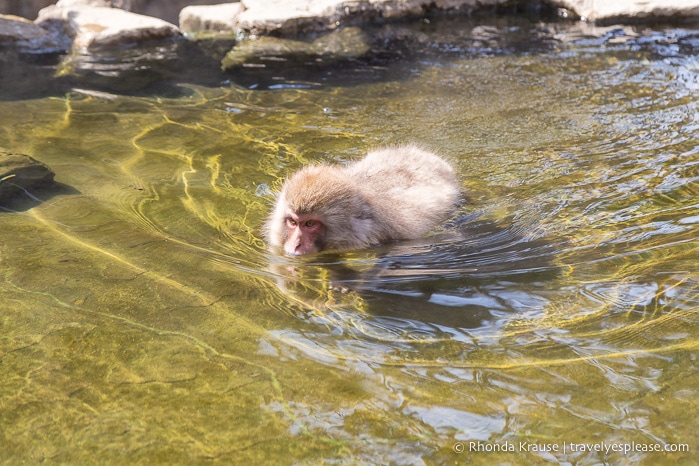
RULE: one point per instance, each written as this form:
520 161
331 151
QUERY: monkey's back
409 189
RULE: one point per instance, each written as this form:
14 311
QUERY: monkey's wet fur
391 194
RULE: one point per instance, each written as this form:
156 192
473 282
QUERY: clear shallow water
145 321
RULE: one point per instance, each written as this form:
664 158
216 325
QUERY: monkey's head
318 208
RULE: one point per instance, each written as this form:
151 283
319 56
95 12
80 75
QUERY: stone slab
91 26
221 18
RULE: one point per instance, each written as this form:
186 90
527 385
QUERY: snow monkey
391 194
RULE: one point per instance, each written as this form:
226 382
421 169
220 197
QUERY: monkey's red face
304 234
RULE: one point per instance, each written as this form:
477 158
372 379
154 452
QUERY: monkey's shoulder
399 169
401 154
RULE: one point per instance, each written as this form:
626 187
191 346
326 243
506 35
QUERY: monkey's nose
295 250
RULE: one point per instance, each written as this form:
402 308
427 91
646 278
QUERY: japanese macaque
391 194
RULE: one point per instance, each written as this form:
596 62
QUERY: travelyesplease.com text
570 447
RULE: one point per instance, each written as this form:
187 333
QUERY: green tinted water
144 321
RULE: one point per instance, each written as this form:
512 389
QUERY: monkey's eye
310 223
291 221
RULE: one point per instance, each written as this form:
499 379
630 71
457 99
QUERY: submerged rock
338 45
20 173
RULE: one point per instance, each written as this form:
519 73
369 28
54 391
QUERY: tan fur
391 194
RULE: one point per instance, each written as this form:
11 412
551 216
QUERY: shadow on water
28 199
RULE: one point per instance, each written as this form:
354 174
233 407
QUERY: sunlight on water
145 317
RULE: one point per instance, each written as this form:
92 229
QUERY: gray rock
291 17
20 173
220 18
94 26
631 9
286 17
163 9
91 23
27 36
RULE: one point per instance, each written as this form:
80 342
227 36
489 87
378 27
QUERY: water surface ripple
146 319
